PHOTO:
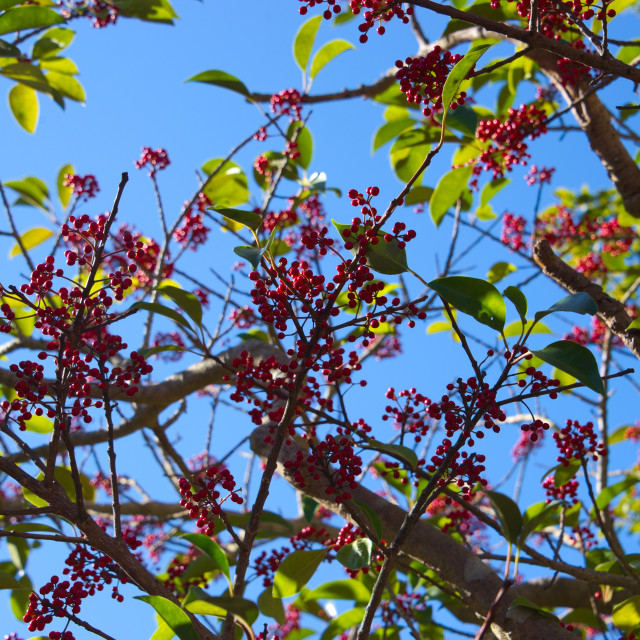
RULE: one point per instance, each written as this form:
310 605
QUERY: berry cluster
578 442
375 11
411 416
205 502
531 435
287 102
156 160
192 233
513 229
539 176
101 13
504 141
422 79
84 187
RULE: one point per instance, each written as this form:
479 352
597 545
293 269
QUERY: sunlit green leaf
177 620
303 42
459 73
30 239
221 79
154 307
448 191
28 17
24 106
327 53
356 555
186 300
295 571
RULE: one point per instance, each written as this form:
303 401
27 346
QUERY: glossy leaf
220 606
581 303
186 300
372 517
252 254
341 590
518 299
154 307
210 548
24 106
176 619
448 191
304 141
28 17
327 53
247 219
356 555
574 359
537 517
30 239
474 297
66 85
395 450
626 615
221 79
304 40
459 73
499 271
508 515
295 571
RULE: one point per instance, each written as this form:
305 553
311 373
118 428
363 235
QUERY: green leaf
66 85
220 606
390 130
28 17
309 507
327 53
161 348
537 517
245 218
154 307
64 193
295 571
252 254
518 299
464 119
372 516
52 42
499 271
491 188
417 195
163 632
515 329
177 620
148 10
222 79
610 492
448 191
508 515
39 424
563 473
186 300
342 623
271 606
384 257
229 187
30 239
305 143
32 191
7 50
574 359
581 303
626 615
341 590
211 549
304 40
7 581
474 297
396 451
523 602
459 73
634 325
356 555
24 106
65 479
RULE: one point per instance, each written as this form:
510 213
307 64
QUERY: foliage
417 535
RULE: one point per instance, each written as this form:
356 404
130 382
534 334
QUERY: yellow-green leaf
328 53
30 239
24 105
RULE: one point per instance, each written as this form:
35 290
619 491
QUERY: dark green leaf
327 53
271 606
152 351
576 303
303 42
448 191
418 195
464 119
508 515
341 590
564 473
372 516
295 571
149 10
304 142
523 602
356 555
219 606
211 548
24 106
186 300
397 451
7 50
459 73
474 297
154 307
28 17
252 254
309 507
177 620
574 359
245 218
221 79
518 299
7 581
